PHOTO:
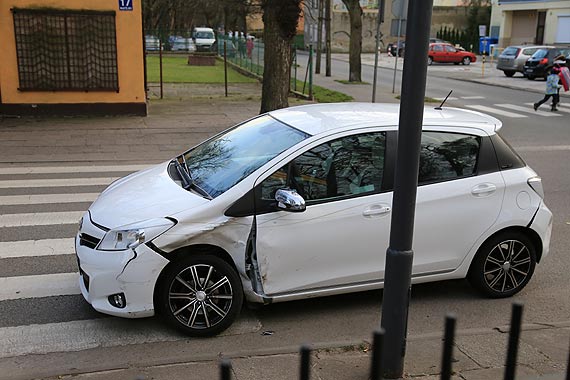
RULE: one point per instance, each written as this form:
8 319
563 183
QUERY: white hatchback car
296 203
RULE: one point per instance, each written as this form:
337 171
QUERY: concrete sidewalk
478 355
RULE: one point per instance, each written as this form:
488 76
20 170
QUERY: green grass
324 95
343 81
177 70
427 99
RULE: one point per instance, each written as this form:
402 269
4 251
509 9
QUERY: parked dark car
399 50
539 65
513 58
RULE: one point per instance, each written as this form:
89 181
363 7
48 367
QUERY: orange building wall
130 59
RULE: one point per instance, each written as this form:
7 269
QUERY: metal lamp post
399 256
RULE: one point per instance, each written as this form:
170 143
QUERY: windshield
205 35
221 162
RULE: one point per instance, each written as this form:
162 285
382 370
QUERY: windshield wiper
187 181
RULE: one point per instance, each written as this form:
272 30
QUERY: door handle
483 189
376 210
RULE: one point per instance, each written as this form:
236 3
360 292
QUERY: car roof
317 119
530 46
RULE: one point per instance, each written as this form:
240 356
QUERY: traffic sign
400 8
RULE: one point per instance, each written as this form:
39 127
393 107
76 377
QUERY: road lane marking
100 333
72 169
11 200
6 184
527 110
472 97
40 218
33 248
450 98
494 110
43 285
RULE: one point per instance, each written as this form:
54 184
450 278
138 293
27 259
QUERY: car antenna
441 105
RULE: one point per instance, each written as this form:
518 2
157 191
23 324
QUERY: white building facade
517 22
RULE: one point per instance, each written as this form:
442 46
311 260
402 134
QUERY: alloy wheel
200 296
507 266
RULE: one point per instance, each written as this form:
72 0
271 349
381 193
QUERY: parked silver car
513 58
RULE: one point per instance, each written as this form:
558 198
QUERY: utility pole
328 33
319 36
399 256
379 21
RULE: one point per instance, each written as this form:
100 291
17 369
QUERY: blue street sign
125 5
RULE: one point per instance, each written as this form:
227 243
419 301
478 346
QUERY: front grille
88 240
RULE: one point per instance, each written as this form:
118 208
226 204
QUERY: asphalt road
59 333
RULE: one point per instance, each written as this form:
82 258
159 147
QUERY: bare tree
355 46
280 18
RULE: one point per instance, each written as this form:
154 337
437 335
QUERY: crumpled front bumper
133 272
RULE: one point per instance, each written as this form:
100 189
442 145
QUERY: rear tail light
536 184
543 61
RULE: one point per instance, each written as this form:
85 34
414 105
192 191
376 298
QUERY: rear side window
540 53
511 50
446 156
506 156
530 51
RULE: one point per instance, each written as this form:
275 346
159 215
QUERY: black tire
199 282
530 77
503 265
509 73
430 61
466 61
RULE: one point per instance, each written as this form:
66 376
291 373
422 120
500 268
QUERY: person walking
552 88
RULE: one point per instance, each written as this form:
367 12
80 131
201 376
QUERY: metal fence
248 53
446 358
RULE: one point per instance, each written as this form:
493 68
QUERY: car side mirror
289 200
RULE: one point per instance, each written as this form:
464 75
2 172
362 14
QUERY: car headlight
133 235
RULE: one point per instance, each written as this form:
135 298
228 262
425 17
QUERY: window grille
64 50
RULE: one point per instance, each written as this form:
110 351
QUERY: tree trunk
319 36
328 33
280 21
355 47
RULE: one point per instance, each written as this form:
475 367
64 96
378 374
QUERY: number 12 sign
125 5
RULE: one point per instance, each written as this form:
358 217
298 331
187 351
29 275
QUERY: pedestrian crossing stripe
561 107
72 169
40 218
100 333
35 248
36 199
60 182
528 110
495 111
43 285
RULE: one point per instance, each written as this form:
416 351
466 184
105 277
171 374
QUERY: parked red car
443 52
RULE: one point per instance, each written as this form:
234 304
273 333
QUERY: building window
64 50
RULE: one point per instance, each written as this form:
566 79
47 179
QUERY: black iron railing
447 353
